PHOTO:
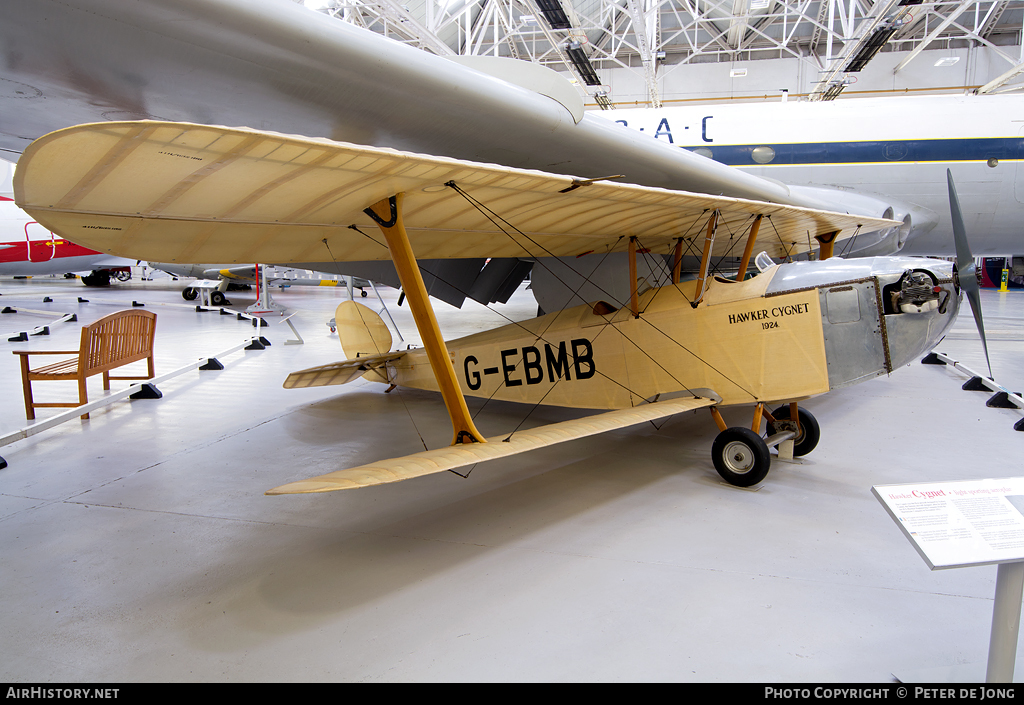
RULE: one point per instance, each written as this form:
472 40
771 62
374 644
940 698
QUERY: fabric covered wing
178 192
448 458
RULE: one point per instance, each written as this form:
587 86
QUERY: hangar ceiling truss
653 38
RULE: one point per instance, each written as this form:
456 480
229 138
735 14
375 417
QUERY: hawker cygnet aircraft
259 131
170 191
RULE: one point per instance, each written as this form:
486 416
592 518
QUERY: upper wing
177 192
450 457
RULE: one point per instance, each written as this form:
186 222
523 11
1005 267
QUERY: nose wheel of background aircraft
741 456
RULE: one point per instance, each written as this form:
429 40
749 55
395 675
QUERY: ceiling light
873 45
554 14
579 60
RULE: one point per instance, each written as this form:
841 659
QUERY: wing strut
387 213
827 242
633 304
705 260
749 249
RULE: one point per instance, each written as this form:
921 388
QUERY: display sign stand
1002 645
970 523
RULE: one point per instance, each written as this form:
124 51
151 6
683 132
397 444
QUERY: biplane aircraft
178 192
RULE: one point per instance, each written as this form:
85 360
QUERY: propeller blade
966 265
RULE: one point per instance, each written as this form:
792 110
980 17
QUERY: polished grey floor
139 546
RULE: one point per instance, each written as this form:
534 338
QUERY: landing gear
807 435
741 456
189 293
217 298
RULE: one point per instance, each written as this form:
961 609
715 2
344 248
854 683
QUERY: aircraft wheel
810 432
97 278
122 276
217 298
362 292
741 456
189 293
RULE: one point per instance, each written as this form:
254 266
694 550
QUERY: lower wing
450 457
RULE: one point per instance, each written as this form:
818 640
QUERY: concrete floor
139 546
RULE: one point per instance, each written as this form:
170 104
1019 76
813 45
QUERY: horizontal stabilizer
450 457
338 372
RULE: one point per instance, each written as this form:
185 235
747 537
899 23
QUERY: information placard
962 523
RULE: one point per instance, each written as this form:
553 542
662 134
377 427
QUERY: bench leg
83 395
26 384
106 381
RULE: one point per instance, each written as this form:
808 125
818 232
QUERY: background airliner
29 249
895 149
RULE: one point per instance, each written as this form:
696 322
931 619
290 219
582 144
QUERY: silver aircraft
278 66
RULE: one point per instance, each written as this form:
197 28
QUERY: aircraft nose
923 307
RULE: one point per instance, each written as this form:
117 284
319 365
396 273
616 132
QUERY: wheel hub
789 425
738 457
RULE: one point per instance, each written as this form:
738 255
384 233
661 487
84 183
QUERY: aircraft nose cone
916 330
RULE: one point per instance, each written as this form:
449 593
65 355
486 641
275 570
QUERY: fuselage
895 147
29 249
795 331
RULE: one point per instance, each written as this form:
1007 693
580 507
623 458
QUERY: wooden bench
112 341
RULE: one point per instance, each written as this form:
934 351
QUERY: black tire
362 292
741 456
97 278
122 276
217 298
189 293
810 432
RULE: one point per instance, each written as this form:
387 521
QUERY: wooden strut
749 249
760 414
826 243
717 416
634 305
387 213
677 262
755 426
705 260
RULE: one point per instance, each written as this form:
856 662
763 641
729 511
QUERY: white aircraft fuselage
896 149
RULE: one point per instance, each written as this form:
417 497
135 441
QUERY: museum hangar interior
140 546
